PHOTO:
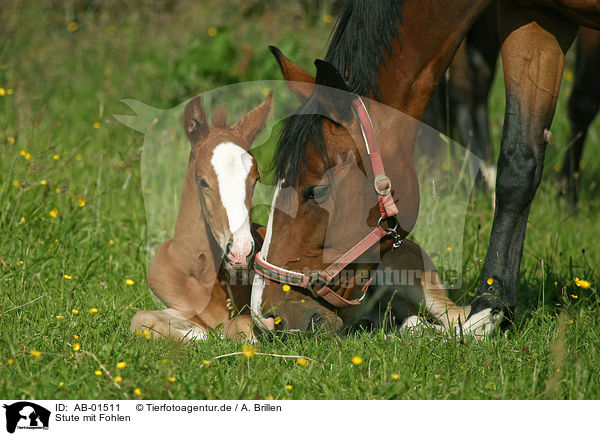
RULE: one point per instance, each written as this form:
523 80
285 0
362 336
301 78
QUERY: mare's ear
194 121
298 81
254 121
333 92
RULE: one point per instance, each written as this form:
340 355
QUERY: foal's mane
362 37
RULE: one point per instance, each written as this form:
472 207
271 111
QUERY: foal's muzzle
236 260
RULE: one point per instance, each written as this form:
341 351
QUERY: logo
26 415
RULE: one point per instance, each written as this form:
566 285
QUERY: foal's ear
194 121
254 121
333 92
298 81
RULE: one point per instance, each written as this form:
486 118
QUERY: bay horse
191 273
382 50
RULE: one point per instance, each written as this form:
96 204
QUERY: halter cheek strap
317 282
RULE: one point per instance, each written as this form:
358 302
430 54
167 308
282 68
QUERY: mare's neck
430 32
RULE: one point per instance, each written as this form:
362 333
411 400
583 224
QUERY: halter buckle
316 282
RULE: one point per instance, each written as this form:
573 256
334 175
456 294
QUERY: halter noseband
317 282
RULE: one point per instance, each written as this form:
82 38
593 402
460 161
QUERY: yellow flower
213 31
22 219
98 372
53 213
76 346
328 18
147 334
118 379
171 379
270 397
56 157
111 242
137 391
75 312
582 283
20 262
121 365
61 384
574 296
395 376
11 140
81 202
302 362
449 249
286 288
147 191
10 361
78 157
76 337
289 387
206 362
164 361
35 354
67 277
557 369
93 310
2 92
248 350
96 125
277 320
57 190
490 281
129 282
570 321
9 91
72 26
43 182
16 183
357 360
59 317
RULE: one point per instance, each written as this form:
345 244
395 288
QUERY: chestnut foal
213 236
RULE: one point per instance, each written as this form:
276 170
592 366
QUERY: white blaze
232 165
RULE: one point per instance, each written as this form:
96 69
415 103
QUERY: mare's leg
483 48
583 106
534 43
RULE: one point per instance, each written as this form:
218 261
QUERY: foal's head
225 173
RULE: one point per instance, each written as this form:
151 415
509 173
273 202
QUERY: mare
192 272
381 50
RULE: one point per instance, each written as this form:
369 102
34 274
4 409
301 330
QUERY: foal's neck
191 229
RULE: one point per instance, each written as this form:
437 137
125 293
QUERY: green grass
64 82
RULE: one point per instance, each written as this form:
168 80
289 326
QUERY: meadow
74 230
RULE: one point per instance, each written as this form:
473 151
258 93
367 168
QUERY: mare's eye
204 184
316 192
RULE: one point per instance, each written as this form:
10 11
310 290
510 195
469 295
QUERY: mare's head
323 169
225 172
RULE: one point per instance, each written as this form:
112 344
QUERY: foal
213 235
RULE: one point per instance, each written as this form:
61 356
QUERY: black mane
362 36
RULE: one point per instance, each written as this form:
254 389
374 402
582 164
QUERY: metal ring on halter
315 280
393 229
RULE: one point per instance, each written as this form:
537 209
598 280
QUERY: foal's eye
204 184
316 192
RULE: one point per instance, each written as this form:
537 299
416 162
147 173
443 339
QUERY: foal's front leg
533 50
